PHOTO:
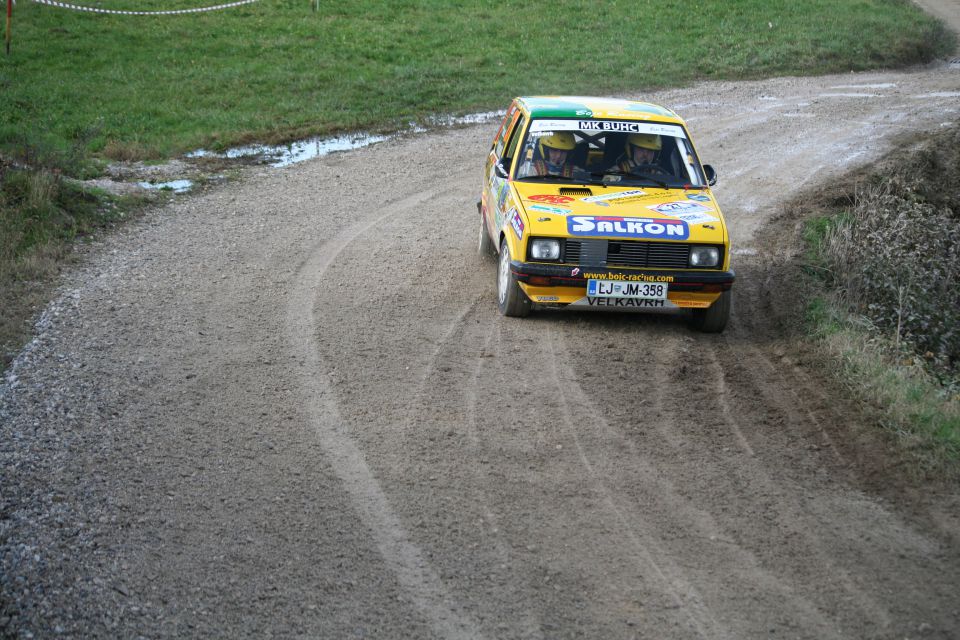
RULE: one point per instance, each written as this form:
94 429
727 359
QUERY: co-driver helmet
649 141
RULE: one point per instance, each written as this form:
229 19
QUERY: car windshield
622 152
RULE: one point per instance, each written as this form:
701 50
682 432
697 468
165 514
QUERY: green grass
910 403
142 87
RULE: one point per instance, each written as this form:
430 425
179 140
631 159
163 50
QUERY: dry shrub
42 190
896 257
129 151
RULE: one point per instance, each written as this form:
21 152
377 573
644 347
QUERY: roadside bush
895 257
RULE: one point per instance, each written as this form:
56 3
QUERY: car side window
514 140
692 169
501 138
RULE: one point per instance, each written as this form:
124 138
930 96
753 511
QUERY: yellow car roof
586 107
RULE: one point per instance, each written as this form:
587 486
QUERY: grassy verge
910 401
41 215
140 87
886 299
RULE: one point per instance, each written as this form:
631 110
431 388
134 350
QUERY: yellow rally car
595 202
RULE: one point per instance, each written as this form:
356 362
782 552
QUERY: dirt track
289 408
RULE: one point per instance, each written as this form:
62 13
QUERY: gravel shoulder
288 407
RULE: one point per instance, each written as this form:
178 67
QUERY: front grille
627 253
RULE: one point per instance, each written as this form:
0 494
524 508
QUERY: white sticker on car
615 196
560 211
675 208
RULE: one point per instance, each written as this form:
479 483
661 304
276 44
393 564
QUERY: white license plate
624 289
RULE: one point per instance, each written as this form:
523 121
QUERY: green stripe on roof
557 108
585 107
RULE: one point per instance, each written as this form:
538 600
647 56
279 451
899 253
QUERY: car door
497 190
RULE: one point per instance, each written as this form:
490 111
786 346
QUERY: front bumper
556 284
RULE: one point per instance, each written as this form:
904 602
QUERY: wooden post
9 18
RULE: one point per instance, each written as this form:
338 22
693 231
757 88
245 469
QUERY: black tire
714 318
485 247
511 300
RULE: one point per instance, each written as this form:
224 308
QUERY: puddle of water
937 94
849 95
882 85
177 186
283 155
287 154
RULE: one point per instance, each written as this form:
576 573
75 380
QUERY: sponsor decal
636 303
629 277
620 227
674 208
549 198
626 304
516 222
696 218
630 127
575 271
548 298
699 197
603 200
552 125
503 189
560 211
608 125
629 200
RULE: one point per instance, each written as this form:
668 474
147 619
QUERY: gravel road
288 407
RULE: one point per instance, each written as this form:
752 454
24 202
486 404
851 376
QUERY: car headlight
704 256
545 249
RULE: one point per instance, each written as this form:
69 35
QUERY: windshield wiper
550 177
630 174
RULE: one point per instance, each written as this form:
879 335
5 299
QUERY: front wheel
511 300
714 318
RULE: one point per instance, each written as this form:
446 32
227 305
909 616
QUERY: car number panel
626 289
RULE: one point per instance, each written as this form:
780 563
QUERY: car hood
638 213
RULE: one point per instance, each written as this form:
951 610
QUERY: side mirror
500 168
711 174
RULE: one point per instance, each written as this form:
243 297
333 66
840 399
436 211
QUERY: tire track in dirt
725 409
746 376
771 389
618 451
408 562
646 545
458 399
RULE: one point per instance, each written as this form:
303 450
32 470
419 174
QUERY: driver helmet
560 140
649 141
